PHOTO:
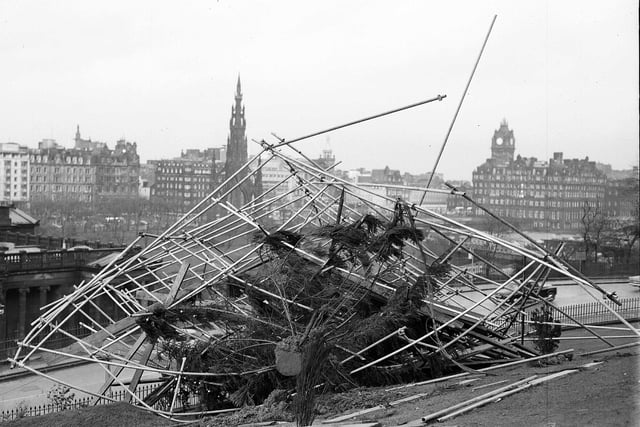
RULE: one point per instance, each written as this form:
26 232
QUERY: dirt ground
605 395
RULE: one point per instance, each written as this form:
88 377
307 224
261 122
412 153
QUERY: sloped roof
20 217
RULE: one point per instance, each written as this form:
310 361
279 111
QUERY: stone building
386 186
182 182
29 281
87 172
14 172
117 170
459 206
536 195
622 193
59 173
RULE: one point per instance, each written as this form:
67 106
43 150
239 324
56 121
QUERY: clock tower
503 144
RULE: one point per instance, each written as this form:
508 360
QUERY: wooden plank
342 418
490 368
494 397
177 283
618 347
135 380
109 381
144 358
488 385
482 397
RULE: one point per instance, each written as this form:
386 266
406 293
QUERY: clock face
499 141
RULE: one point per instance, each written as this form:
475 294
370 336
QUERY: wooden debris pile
317 284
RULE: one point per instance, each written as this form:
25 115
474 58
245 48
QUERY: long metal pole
455 116
355 122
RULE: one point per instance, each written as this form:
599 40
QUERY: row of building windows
183 186
23 194
58 159
60 188
61 179
178 171
7 164
68 170
15 186
547 187
15 179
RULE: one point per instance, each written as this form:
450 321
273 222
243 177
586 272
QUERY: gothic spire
238 88
237 147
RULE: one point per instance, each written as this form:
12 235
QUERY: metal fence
591 313
34 411
119 395
595 312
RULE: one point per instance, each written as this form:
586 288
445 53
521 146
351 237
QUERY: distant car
547 292
80 248
634 281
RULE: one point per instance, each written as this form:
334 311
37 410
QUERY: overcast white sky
563 73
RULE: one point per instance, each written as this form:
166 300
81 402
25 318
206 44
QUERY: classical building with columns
31 280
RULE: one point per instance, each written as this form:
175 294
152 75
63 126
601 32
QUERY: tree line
117 220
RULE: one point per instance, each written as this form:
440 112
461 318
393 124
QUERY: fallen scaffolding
348 287
354 288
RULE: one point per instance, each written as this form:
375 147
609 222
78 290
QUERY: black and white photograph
331 213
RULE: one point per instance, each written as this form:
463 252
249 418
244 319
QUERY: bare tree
495 227
64 213
624 233
593 224
621 231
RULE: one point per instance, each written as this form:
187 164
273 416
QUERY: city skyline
563 75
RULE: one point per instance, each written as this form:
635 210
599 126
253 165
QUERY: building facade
58 173
536 195
14 172
459 206
392 184
88 172
622 194
183 182
117 170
